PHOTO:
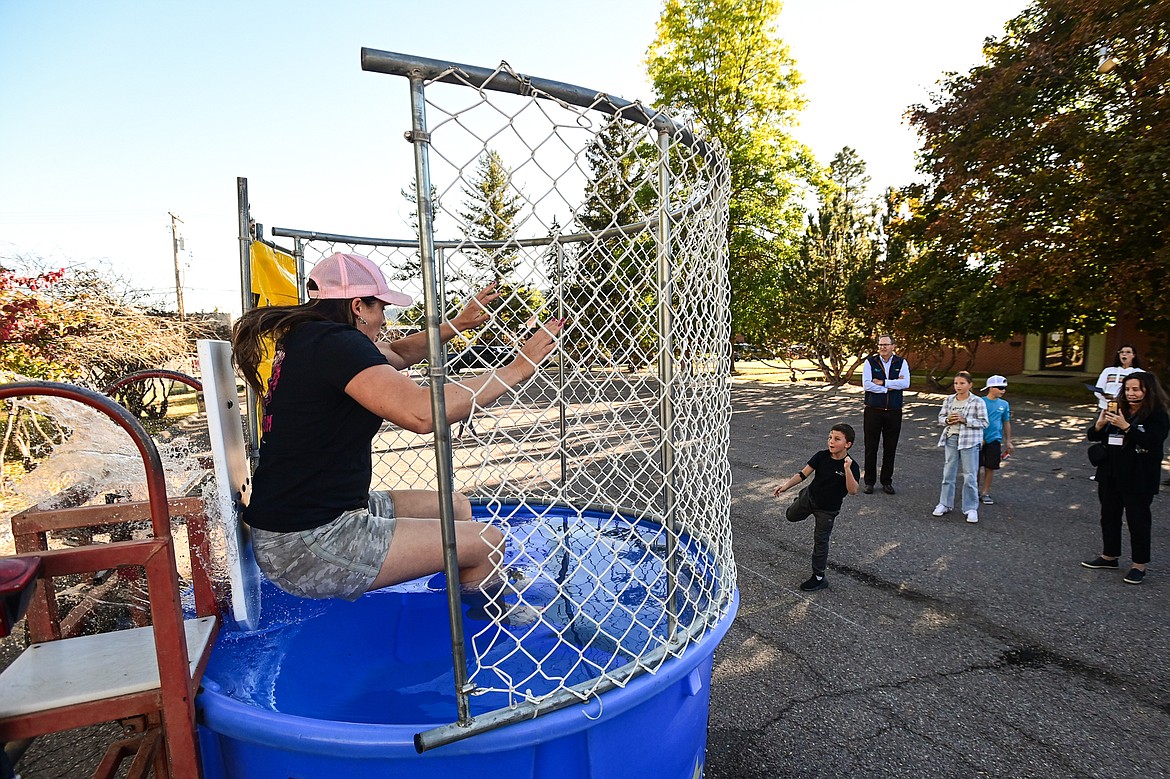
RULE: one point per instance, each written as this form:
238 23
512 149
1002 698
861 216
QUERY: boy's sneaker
1100 562
1134 576
986 500
972 516
940 509
814 583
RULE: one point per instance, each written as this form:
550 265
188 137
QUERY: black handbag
1097 454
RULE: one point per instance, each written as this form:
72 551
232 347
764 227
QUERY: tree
82 329
25 335
939 304
489 214
610 292
1049 164
822 296
75 326
723 65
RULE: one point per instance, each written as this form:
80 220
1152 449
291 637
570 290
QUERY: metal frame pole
436 369
666 378
245 217
245 234
562 405
299 256
441 270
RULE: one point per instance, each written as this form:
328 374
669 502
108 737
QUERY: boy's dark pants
801 509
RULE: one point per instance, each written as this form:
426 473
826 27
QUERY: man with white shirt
884 376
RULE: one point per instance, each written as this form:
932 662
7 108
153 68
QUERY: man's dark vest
890 399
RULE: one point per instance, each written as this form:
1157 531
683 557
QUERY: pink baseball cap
344 276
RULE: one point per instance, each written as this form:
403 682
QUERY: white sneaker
972 516
940 509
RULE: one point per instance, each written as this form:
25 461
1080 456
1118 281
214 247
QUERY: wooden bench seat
91 668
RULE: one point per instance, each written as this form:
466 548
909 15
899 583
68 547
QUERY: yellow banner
274 276
274 282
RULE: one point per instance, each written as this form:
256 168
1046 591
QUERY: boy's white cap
995 381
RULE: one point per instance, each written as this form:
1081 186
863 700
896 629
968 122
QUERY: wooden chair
144 677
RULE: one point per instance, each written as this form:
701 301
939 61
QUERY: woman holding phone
1134 436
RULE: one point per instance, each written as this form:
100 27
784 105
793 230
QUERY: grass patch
1065 390
1072 392
179 407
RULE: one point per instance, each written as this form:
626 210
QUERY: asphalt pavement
940 648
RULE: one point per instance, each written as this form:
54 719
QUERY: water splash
91 461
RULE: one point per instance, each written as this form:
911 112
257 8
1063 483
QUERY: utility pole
175 239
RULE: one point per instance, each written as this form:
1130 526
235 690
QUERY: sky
116 114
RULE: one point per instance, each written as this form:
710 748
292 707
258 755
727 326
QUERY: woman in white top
1111 379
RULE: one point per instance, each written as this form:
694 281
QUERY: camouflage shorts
339 559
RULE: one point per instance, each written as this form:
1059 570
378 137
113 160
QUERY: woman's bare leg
425 504
417 550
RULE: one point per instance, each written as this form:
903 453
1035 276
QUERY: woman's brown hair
271 324
1154 399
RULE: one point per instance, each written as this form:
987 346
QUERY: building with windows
1066 353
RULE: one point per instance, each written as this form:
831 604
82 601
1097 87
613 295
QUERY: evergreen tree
821 300
489 214
609 288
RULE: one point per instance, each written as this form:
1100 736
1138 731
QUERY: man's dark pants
886 425
800 510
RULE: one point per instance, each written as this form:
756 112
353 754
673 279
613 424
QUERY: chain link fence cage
608 470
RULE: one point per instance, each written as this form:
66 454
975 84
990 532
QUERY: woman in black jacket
1127 480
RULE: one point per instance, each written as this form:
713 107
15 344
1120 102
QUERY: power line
77 217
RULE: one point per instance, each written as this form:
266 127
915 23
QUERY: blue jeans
969 459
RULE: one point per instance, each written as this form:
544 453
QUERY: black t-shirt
315 454
828 485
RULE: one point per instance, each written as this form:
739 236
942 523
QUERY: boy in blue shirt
997 436
836 476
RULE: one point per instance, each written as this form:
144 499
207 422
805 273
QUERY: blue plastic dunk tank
337 689
607 474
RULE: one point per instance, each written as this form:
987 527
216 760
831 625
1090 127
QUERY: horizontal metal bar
408 243
411 243
622 511
313 235
563 698
410 66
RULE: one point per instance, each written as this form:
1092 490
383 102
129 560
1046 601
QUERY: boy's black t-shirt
828 485
315 459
